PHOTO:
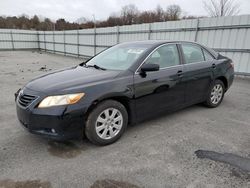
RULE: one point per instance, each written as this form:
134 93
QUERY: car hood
68 79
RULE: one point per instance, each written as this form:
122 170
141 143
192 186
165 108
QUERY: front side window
119 57
165 56
192 53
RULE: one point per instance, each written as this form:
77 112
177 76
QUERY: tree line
128 15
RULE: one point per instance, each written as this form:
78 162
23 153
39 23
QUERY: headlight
60 100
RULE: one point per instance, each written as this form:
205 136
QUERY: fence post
78 44
149 31
64 42
94 40
54 47
38 40
44 39
197 30
12 41
118 35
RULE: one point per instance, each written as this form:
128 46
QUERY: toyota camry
122 85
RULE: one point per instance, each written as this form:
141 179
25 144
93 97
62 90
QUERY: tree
35 22
159 14
217 8
173 12
60 24
23 22
129 14
48 24
146 17
113 20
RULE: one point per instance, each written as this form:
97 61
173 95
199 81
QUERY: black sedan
122 85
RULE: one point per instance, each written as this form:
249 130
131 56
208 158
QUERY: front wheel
216 94
106 122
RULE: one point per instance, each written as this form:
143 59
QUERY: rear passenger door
198 72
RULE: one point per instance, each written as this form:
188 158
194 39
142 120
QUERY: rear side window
208 56
192 53
165 56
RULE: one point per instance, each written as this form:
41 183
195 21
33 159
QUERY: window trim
146 58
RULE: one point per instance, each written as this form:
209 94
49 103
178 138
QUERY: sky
71 10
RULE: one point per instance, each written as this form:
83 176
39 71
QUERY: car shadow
73 148
164 115
64 149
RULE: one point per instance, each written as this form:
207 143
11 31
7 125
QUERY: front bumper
59 123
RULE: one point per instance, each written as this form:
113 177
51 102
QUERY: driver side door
162 90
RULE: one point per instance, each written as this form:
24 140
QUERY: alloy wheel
109 123
216 94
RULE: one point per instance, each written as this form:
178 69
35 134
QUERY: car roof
149 42
159 42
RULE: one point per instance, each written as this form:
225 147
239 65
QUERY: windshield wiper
96 67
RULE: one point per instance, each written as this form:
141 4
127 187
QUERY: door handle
179 73
213 66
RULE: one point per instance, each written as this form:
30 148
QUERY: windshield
119 57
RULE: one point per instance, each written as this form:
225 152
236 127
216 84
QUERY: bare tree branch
217 8
173 12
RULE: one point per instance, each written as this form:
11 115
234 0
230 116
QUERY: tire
106 122
216 94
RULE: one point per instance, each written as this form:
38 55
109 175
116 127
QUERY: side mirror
149 67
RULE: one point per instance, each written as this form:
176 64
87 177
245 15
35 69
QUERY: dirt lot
156 153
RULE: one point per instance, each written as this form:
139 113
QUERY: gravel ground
156 153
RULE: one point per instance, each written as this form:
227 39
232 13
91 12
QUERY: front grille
25 100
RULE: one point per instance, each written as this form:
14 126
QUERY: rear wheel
216 94
106 122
